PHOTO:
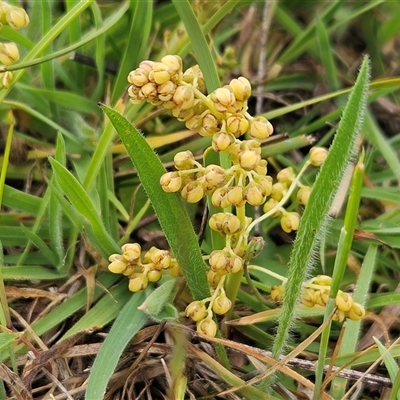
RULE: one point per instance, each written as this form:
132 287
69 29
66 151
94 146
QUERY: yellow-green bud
241 88
261 168
249 159
194 76
344 301
213 277
137 282
356 312
194 123
278 190
131 251
221 304
303 195
254 247
149 91
193 192
196 310
266 183
207 327
184 160
9 53
286 175
171 182
149 253
261 128
318 156
173 62
290 221
269 205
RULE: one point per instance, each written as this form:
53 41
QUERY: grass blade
169 208
315 217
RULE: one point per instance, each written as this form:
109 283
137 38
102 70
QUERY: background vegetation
70 198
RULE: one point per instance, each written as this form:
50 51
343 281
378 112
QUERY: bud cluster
197 311
142 268
316 293
16 18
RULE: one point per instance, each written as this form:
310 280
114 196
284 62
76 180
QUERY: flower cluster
142 268
223 117
16 18
316 293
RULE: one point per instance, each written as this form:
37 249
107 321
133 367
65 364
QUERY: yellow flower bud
171 182
215 175
254 194
269 205
207 327
339 315
231 224
249 159
261 128
237 124
149 253
149 91
290 221
209 125
184 97
277 293
138 77
193 192
17 18
9 53
194 123
213 277
286 175
220 199
356 312
159 73
223 99
117 267
235 196
307 297
261 167
266 183
322 280
147 65
221 304
278 190
235 264
173 62
137 282
344 301
221 141
318 156
215 222
321 297
184 160
161 259
166 91
303 195
154 275
194 76
196 310
241 88
174 269
218 260
131 251
6 78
